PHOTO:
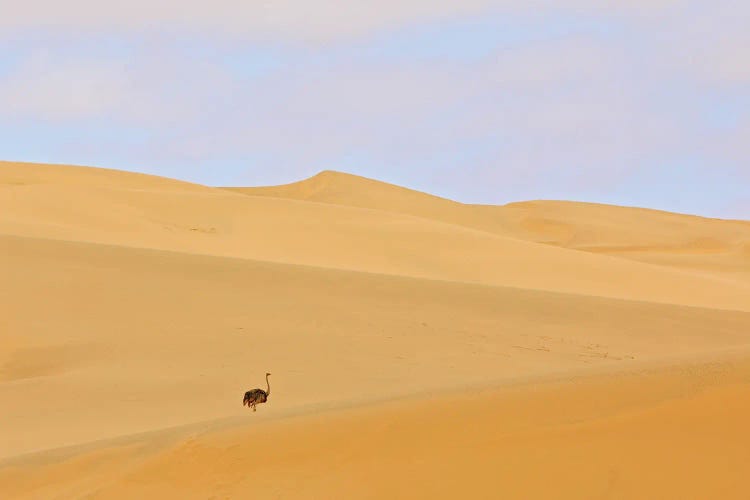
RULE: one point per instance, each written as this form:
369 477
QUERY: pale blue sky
481 101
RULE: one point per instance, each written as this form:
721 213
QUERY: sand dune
195 219
452 348
665 238
681 241
113 329
677 432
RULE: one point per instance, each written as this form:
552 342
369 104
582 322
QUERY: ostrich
257 396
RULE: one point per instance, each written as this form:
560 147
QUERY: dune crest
211 221
664 238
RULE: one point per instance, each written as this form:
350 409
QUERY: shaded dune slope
648 435
145 338
666 238
196 219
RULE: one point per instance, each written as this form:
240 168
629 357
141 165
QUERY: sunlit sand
420 348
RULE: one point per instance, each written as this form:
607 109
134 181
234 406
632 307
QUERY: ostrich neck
268 385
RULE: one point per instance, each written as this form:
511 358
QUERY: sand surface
539 349
676 432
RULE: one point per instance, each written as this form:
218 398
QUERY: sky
643 103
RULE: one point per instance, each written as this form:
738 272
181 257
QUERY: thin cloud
296 20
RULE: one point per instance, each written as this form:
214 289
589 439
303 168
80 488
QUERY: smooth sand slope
672 433
684 241
136 310
129 340
196 219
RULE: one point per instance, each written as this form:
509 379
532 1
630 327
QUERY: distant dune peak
337 219
342 188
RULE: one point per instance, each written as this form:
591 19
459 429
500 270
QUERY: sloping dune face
683 241
188 218
450 348
646 435
107 340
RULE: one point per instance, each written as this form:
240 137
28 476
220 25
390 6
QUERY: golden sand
420 348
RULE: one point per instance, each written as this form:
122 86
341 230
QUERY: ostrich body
257 396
